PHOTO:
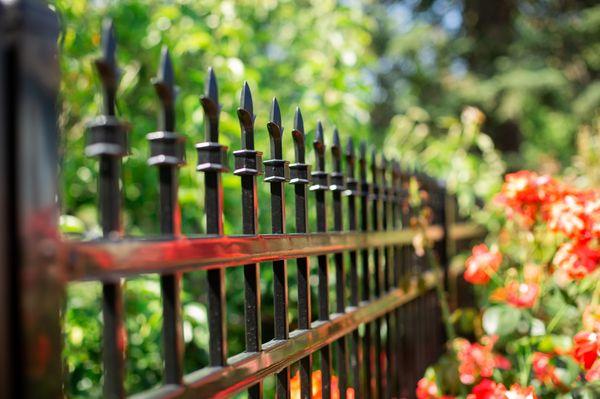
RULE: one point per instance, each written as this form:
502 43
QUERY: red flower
477 360
586 345
518 392
568 216
519 295
427 389
543 369
593 373
482 264
524 194
487 389
577 258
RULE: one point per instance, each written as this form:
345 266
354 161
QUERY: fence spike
275 115
275 130
338 180
336 151
319 146
246 99
350 158
164 84
299 137
210 103
107 67
246 117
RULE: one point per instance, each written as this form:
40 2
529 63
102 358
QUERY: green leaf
500 320
71 225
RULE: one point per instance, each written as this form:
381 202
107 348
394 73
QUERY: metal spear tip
109 43
319 140
275 115
246 99
373 158
211 90
298 121
165 79
350 148
336 141
298 136
363 150
384 163
395 167
107 63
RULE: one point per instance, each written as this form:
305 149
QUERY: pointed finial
210 104
246 117
246 99
350 158
336 151
275 115
299 137
107 66
319 146
395 173
383 167
211 89
374 168
275 130
363 150
164 84
362 160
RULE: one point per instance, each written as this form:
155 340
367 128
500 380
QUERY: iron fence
378 336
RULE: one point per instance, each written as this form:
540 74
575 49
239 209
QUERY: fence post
31 289
277 173
320 186
300 178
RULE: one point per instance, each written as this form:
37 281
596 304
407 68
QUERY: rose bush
536 281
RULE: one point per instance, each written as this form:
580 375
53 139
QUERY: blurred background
485 87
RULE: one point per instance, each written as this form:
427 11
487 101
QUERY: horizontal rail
103 260
106 260
464 231
246 369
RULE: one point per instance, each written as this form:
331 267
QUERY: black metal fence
378 337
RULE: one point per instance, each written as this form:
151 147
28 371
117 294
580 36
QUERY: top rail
105 260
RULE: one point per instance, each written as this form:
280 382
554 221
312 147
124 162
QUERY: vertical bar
338 187
395 199
276 174
212 162
320 187
351 193
387 197
248 165
107 139
300 178
376 218
167 153
365 190
31 287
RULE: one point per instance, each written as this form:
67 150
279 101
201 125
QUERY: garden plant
537 334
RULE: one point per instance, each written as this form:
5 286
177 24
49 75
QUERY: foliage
531 66
537 283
